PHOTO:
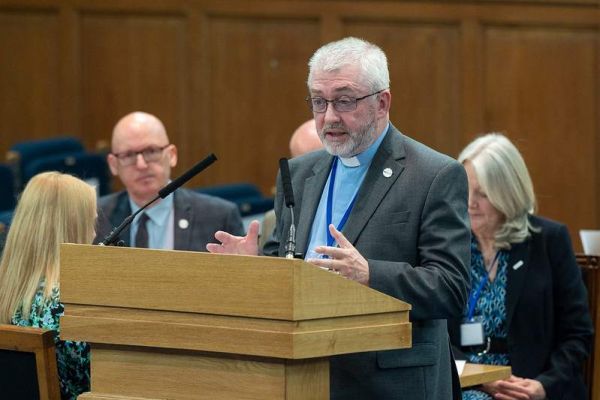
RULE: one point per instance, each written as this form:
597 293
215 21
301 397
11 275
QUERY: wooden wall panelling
331 27
596 184
257 89
197 136
541 89
89 62
29 75
472 74
424 67
133 61
70 76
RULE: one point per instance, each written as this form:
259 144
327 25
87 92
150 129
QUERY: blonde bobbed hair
504 178
54 208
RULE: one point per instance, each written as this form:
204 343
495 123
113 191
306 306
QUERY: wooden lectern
186 325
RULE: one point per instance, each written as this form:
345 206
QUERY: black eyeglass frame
121 156
335 102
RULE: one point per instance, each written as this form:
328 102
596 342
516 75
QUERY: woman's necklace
490 266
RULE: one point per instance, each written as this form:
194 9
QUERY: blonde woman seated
54 208
527 306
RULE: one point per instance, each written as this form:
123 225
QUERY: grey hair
504 178
370 59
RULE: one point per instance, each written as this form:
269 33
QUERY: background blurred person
54 208
142 158
527 293
304 140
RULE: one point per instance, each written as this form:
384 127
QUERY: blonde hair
504 178
54 208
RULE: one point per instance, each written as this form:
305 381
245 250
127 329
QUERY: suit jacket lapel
376 185
121 211
518 264
313 188
182 210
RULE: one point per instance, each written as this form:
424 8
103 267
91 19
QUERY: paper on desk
460 366
591 241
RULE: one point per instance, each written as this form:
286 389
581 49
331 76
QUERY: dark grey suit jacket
205 214
414 231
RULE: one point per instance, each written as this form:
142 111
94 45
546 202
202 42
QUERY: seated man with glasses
142 158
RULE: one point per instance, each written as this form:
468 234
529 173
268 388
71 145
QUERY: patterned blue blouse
491 306
73 358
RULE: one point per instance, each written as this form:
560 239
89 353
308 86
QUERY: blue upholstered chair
247 196
64 154
22 154
91 167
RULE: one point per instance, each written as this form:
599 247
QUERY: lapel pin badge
387 172
183 223
518 265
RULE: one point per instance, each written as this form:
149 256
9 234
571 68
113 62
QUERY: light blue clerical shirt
350 173
160 224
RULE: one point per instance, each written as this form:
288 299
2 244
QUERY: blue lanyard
475 295
330 205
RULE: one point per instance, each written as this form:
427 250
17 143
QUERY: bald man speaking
142 157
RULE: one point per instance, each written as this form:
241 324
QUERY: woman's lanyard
475 295
330 205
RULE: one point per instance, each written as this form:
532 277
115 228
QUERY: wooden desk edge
476 374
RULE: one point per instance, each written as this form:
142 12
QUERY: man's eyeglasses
340 104
150 154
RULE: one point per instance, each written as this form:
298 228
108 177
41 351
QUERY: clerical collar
366 156
350 162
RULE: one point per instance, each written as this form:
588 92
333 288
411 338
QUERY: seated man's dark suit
205 215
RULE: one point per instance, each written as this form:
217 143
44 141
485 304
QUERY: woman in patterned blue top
54 208
528 305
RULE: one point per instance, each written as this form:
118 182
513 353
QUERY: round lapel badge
183 223
387 172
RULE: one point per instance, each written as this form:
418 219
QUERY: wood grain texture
185 325
263 287
29 75
476 374
424 61
262 306
256 89
541 90
105 396
182 376
307 379
268 338
40 342
229 77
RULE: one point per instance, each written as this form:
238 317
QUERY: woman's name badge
471 333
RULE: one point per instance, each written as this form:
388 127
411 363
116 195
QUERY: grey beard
358 141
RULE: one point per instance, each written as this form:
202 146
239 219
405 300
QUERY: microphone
111 238
288 194
196 169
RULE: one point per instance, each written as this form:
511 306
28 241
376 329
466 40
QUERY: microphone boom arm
111 238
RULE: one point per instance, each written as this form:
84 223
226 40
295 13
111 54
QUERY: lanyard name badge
329 213
471 330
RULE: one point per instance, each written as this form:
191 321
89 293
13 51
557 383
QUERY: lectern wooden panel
186 325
